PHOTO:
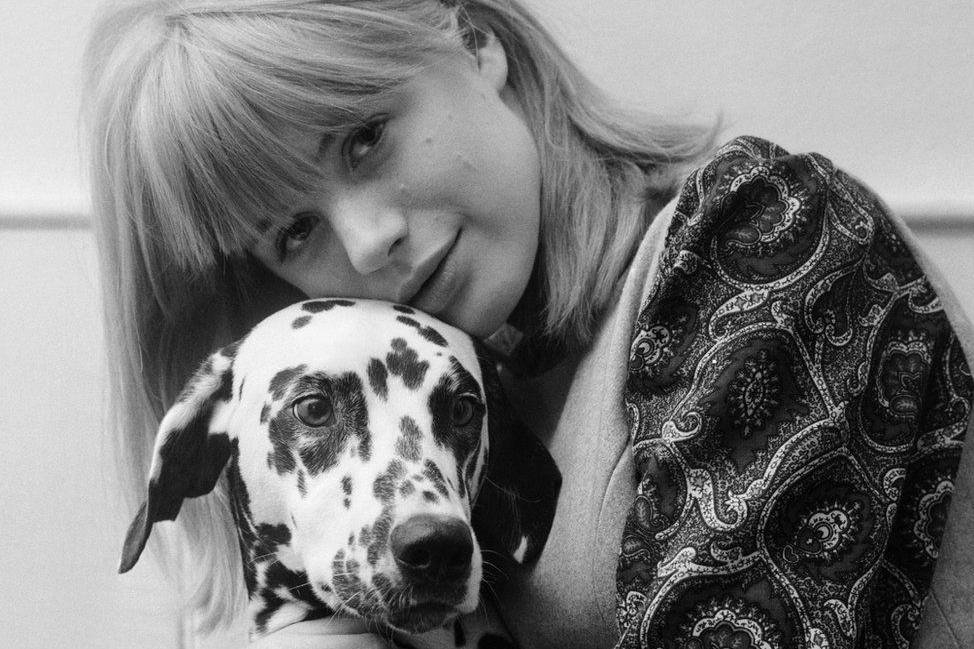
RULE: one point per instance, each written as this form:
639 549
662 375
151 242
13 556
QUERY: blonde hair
185 107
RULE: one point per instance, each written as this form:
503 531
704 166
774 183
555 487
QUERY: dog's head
354 436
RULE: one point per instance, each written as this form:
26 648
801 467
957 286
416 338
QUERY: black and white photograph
487 324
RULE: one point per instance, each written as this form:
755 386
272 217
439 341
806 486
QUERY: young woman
755 394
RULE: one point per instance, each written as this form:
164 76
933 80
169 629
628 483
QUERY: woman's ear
491 58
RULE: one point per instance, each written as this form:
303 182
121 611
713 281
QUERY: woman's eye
314 411
362 141
292 237
465 408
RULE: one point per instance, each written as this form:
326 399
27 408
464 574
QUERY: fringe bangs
223 91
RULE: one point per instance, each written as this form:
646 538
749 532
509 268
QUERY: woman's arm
324 633
797 402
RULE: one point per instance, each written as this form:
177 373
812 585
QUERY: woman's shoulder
756 215
760 241
749 211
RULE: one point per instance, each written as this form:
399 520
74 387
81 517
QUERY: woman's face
435 202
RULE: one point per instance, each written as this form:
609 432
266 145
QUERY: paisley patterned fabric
797 402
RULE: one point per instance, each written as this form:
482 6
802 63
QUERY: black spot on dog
320 448
350 588
271 605
300 321
225 391
382 583
240 506
317 306
403 361
429 333
407 488
279 385
396 469
283 432
408 444
384 486
348 392
434 475
380 535
272 537
377 378
302 487
432 335
347 503
322 454
265 413
240 390
431 497
365 536
191 460
462 441
403 309
347 485
279 579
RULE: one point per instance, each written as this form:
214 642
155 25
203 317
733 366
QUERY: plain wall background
885 89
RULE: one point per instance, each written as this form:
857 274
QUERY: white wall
885 89
40 47
60 531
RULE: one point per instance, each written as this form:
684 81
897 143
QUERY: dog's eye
314 411
465 408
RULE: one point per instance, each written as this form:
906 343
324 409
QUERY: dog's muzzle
434 556
432 551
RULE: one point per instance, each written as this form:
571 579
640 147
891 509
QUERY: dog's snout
432 548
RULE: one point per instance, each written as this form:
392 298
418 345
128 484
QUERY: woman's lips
439 286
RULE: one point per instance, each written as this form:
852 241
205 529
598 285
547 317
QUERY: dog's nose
432 548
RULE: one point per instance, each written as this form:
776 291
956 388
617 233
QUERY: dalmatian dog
370 463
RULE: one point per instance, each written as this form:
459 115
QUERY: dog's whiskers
489 566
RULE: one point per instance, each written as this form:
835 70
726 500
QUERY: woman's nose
369 231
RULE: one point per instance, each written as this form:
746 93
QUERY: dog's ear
517 500
188 455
